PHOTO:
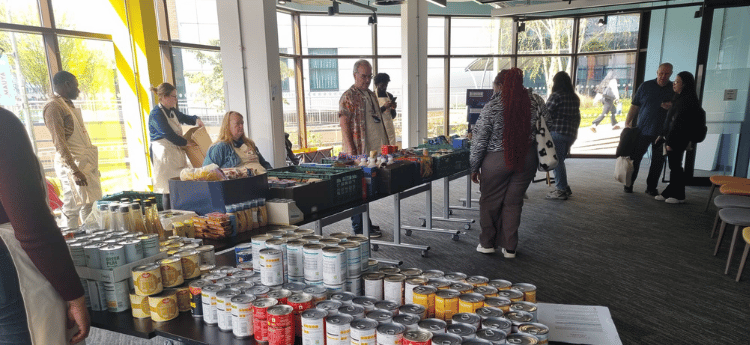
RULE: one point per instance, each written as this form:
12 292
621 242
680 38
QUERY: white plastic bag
624 170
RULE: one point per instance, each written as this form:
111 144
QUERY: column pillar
414 72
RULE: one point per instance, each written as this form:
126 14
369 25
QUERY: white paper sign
578 324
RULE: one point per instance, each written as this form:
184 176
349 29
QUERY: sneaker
652 192
627 189
509 254
593 129
558 194
568 191
660 197
484 250
374 232
616 127
674 201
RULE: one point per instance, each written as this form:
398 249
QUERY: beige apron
46 312
388 121
249 159
169 159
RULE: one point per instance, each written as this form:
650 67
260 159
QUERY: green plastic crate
345 183
450 164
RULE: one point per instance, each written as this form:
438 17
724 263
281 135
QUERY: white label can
313 262
374 285
280 244
364 250
242 316
259 242
208 299
313 327
272 267
118 296
224 308
353 258
393 288
409 285
364 332
334 266
354 285
338 329
296 258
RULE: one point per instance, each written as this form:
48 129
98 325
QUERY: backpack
700 131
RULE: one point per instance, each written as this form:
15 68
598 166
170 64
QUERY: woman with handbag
563 121
504 159
684 120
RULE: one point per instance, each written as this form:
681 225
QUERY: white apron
249 159
46 312
388 121
86 157
168 158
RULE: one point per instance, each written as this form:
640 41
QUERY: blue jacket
158 126
223 155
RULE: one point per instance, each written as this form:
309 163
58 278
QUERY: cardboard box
197 154
118 273
310 197
283 212
203 197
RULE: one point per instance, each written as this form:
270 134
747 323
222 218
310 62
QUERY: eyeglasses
366 76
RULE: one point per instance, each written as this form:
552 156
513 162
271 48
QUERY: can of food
183 298
391 334
366 302
280 244
260 291
303 232
242 316
117 295
300 302
355 311
150 244
388 305
313 326
517 317
196 289
462 287
424 295
446 339
529 291
486 291
417 310
446 304
334 265
163 306
512 295
353 258
208 299
470 302
338 329
345 298
498 323
313 261
329 241
329 306
477 280
171 272
246 266
372 266
227 280
214 278
433 274
281 325
364 332
525 306
353 285
147 279
417 337
260 318
224 308
312 238
244 256
294 287
139 306
206 269
281 295
440 284
295 258
467 318
243 275
111 256
411 272
364 250
410 321
92 256
465 331
432 325
493 336
501 303
190 261
380 315
409 285
500 284
536 329
522 339
456 277
271 267
208 256
242 285
487 312
133 250
393 288
374 285
388 270
79 254
318 292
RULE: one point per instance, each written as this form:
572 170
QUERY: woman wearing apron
234 149
164 121
40 291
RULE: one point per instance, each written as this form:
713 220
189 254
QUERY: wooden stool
720 180
746 237
739 217
728 201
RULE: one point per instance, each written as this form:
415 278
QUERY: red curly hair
516 117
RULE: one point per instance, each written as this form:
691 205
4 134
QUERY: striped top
487 134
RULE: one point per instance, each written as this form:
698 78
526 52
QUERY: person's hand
191 143
80 178
78 315
199 123
658 139
393 104
475 177
666 105
668 148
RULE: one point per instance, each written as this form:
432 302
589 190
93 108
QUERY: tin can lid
418 335
314 246
364 324
314 313
265 302
342 296
395 277
533 328
329 305
523 287
243 298
280 293
446 339
339 319
522 339
406 319
227 293
379 315
300 297
373 276
496 322
146 267
485 290
519 316
387 305
432 324
391 328
280 309
461 329
424 290
522 305
334 249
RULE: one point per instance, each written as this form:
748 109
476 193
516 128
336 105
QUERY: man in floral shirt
362 126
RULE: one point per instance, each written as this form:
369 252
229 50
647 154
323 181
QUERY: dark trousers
608 106
13 326
657 160
357 223
676 187
502 199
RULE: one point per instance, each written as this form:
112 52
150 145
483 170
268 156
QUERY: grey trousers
502 199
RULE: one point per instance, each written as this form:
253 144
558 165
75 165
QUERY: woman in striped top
503 159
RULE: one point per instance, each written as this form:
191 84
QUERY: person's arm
193 120
346 114
53 120
632 114
161 124
215 155
481 133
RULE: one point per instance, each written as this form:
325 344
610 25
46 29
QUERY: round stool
739 217
728 201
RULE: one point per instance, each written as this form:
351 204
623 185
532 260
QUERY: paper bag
624 170
196 154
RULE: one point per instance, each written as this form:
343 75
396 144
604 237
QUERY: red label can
260 317
280 316
299 302
281 335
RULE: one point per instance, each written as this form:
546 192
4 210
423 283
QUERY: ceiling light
602 21
282 2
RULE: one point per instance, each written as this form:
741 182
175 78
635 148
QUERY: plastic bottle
146 220
103 216
232 219
138 224
239 211
263 212
124 219
254 211
114 209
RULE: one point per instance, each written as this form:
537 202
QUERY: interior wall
675 32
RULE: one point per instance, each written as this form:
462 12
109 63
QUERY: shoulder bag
545 147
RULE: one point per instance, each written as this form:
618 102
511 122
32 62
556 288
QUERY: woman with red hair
503 159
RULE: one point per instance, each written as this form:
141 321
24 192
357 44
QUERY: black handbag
628 139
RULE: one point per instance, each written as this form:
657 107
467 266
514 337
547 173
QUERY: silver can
224 308
117 295
364 250
208 255
258 242
353 285
411 322
433 325
456 277
260 291
364 332
498 323
525 306
334 266
374 285
313 262
411 272
417 310
355 311
133 250
500 284
294 287
512 295
318 292
242 316
477 280
433 274
329 306
477 341
150 244
365 302
353 258
92 255
338 329
380 315
393 288
388 270
518 317
409 285
388 305
467 319
345 298
112 256
280 244
446 339
522 339
486 312
465 331
208 299
418 336
312 238
312 322
296 258
391 334
77 252
538 330
272 267
227 280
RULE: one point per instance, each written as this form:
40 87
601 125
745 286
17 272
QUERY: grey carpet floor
649 262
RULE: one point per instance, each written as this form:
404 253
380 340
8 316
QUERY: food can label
445 308
427 301
313 331
469 307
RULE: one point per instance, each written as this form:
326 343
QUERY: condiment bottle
114 210
239 210
146 220
103 216
232 219
263 212
254 211
124 219
137 218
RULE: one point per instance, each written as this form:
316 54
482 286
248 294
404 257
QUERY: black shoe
651 192
627 189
